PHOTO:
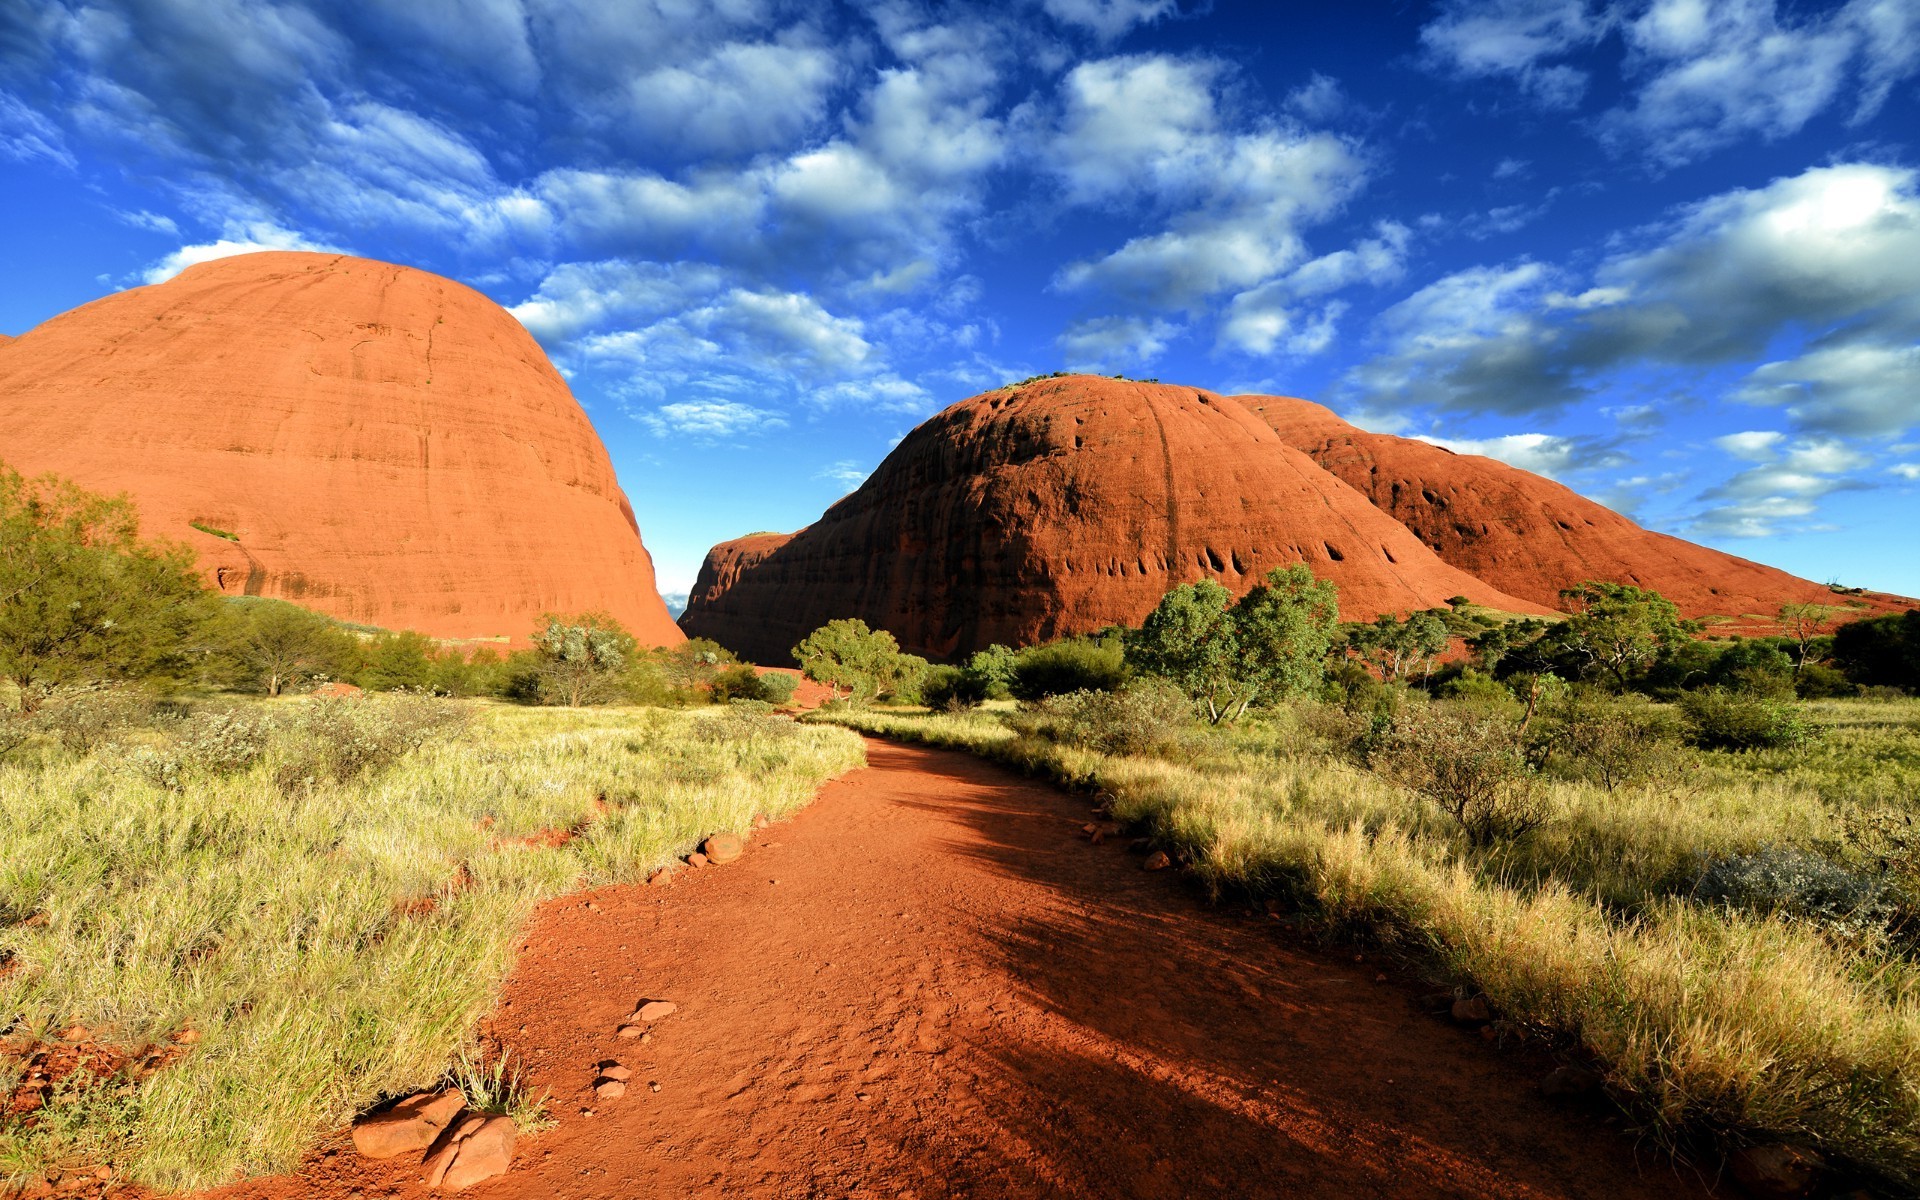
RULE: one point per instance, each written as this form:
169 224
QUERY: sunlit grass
336 944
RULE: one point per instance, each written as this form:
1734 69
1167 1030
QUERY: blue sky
1667 251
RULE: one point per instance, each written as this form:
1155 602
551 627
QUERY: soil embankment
930 984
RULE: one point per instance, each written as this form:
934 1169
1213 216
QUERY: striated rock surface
1061 507
1522 533
382 444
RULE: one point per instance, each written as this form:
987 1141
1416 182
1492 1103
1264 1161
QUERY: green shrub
778 688
84 719
952 689
1717 719
1819 681
1480 690
1471 763
1797 886
1073 665
1147 716
742 684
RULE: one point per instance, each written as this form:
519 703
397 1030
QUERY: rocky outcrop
1522 533
372 441
1061 507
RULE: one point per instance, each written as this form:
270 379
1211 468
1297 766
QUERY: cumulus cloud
1108 19
1542 453
1831 255
1269 317
1101 343
775 333
1782 488
1699 74
847 473
1516 38
1149 129
239 240
709 420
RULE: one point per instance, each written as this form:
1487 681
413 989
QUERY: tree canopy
1226 654
82 597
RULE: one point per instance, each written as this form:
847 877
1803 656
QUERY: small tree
1226 655
1803 625
1395 648
847 654
1618 630
81 596
396 661
991 671
271 643
582 661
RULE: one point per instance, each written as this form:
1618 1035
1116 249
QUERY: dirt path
930 984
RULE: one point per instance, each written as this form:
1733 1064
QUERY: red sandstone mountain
1061 507
384 445
1522 533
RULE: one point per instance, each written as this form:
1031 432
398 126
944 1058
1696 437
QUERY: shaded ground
930 984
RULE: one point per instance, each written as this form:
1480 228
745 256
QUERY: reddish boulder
1060 507
372 441
1523 533
409 1126
476 1148
723 848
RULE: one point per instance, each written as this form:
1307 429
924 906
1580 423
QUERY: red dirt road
930 984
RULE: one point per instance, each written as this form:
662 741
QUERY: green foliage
1613 741
1398 649
1717 719
1080 664
267 645
1226 654
338 741
82 597
1616 630
401 661
845 654
581 660
1881 651
991 672
224 535
742 684
1145 716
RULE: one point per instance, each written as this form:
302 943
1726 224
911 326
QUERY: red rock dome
372 441
1522 533
1061 507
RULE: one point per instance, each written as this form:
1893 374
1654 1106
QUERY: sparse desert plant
84 719
1797 885
1470 763
1613 740
496 1086
338 740
1083 664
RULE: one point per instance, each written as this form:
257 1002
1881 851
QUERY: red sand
930 984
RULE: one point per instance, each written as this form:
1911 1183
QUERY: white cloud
738 97
25 135
883 393
1541 453
1832 254
1108 19
239 240
575 298
1715 71
1147 128
710 420
775 333
1759 445
847 473
1483 38
1104 342
1907 471
1852 387
1268 317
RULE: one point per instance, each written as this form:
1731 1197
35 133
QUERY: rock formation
1061 507
1523 533
372 441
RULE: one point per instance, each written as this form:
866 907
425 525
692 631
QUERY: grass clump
330 905
1725 936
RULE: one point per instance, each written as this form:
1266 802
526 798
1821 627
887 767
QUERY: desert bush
742 684
1479 690
339 740
1717 719
744 721
1796 885
84 719
952 689
847 654
581 660
1082 664
1472 764
220 741
1821 681
1144 717
777 688
1612 740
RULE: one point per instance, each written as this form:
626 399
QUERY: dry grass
1706 1021
329 942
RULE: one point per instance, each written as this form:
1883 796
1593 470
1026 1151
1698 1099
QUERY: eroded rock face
383 445
1062 507
1522 533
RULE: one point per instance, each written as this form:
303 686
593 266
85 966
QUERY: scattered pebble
1472 1010
613 1070
610 1089
631 1031
654 1086
1157 861
723 848
696 859
653 1010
